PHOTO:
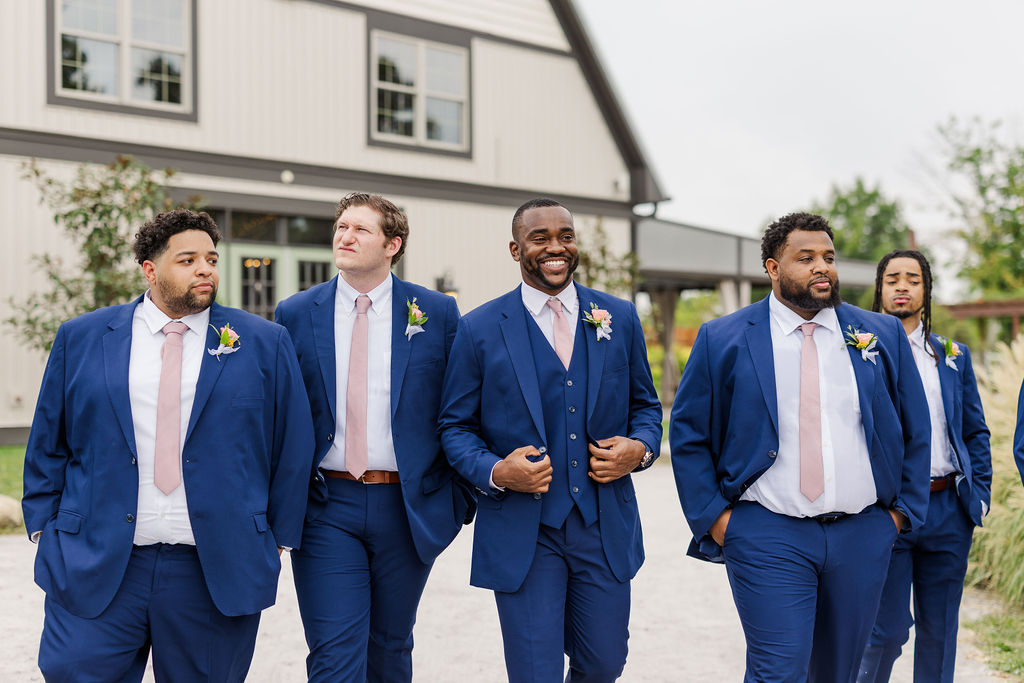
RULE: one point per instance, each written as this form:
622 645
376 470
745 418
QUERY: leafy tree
866 223
987 197
601 268
99 211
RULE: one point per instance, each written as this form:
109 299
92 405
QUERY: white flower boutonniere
601 320
227 339
864 342
416 319
952 350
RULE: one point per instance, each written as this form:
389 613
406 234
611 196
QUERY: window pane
394 112
158 21
156 76
253 226
446 72
313 273
444 120
89 65
258 286
302 230
396 61
96 16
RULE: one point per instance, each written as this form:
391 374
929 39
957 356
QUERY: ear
393 245
513 248
772 266
149 271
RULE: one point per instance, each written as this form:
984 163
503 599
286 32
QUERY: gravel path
683 627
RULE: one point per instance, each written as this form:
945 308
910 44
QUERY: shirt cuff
35 536
490 480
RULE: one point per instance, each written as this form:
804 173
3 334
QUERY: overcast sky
750 109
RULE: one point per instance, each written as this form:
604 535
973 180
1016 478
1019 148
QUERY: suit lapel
863 370
322 318
211 366
596 350
759 343
401 346
117 347
947 380
514 330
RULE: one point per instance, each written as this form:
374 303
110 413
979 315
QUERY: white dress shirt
942 458
380 445
849 484
536 303
161 518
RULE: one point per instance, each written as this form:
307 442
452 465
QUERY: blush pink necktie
356 456
167 457
563 337
812 474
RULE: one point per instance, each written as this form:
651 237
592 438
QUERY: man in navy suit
548 407
800 447
384 502
932 558
166 467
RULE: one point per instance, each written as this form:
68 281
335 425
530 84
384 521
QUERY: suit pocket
247 402
260 518
68 522
434 480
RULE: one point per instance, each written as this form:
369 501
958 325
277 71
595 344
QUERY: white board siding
288 81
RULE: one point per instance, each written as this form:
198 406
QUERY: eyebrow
212 252
894 273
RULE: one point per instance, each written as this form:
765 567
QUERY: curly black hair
776 234
926 280
152 238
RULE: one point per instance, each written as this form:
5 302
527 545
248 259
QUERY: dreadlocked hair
926 277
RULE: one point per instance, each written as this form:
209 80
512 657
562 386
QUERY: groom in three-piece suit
932 558
547 412
799 452
383 502
161 480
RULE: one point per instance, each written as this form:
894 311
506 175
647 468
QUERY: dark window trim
53 95
417 29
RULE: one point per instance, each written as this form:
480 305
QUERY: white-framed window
419 92
134 53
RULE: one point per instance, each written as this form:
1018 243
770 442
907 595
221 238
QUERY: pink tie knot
555 304
175 327
808 329
363 304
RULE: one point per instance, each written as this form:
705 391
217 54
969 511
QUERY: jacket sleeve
645 411
976 434
912 408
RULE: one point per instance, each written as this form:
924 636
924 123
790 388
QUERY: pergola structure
985 310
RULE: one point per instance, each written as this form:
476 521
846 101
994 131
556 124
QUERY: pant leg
397 579
193 641
332 583
893 621
111 647
858 550
533 618
773 563
939 569
596 608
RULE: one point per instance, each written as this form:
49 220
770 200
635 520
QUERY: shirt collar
917 336
535 300
155 319
788 320
380 296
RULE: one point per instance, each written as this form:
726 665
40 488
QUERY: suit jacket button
133 461
536 496
330 437
772 454
129 518
542 450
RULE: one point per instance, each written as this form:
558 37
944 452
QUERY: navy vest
563 395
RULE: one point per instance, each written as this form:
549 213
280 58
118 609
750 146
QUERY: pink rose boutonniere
227 339
601 320
952 350
864 342
416 319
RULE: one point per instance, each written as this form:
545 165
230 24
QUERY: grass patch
12 462
1002 636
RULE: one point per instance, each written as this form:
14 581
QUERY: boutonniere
952 350
416 319
601 320
864 342
227 339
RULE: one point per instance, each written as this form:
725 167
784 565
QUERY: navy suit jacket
245 462
724 426
967 431
492 406
437 501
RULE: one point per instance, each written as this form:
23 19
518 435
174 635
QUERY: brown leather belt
943 483
369 476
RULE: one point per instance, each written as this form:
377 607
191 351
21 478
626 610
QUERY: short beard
803 298
187 303
904 314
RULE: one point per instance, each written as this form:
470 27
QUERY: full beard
802 296
187 302
538 271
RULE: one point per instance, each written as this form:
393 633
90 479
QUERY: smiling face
183 277
903 289
804 277
545 247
